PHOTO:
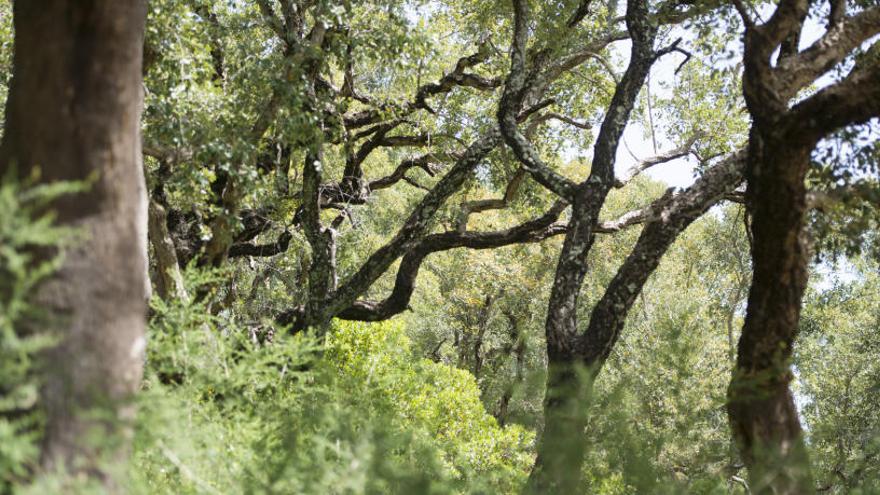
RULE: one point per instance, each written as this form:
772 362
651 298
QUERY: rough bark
761 409
74 112
762 413
561 447
669 219
534 230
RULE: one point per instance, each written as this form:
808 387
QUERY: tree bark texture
761 407
74 113
561 448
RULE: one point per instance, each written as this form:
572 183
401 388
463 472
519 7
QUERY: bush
360 413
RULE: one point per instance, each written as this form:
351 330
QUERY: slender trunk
482 323
74 113
169 279
761 408
518 349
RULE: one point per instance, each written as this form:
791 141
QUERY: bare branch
854 100
413 228
796 72
429 163
562 118
534 230
456 77
477 206
674 154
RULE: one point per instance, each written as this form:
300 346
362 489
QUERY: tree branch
671 217
796 72
534 230
413 228
456 77
480 205
510 104
674 154
854 100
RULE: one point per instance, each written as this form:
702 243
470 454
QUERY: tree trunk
573 367
74 113
784 133
562 446
761 408
169 279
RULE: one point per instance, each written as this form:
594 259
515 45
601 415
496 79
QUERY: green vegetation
361 413
419 247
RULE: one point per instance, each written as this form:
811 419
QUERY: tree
73 114
574 358
785 131
317 115
335 156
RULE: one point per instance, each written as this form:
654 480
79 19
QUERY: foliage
838 371
361 413
659 424
27 229
446 397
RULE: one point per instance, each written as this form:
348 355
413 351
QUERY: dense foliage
330 315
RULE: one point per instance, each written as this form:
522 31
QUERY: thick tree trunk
74 113
784 133
761 408
561 447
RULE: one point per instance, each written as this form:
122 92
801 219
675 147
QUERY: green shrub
360 413
25 228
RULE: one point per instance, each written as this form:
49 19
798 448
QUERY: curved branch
856 99
534 230
413 228
480 205
679 152
510 104
796 72
456 77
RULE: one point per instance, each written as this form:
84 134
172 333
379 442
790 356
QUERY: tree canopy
433 247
